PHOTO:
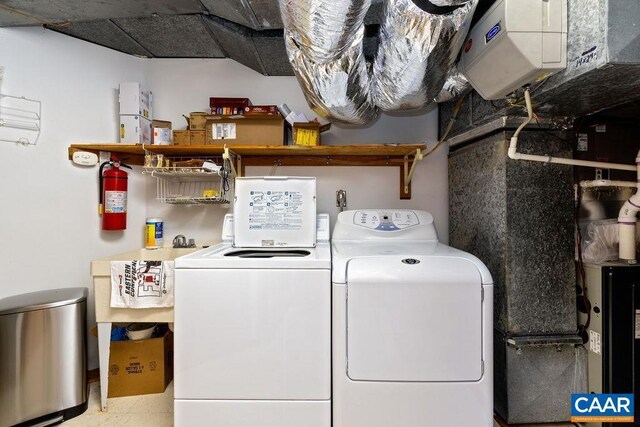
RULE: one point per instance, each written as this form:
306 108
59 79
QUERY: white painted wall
184 85
48 206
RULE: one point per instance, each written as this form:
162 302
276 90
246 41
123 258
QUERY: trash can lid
42 300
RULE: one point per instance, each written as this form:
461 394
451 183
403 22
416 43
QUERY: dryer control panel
384 224
386 220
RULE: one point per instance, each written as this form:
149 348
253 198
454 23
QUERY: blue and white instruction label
275 210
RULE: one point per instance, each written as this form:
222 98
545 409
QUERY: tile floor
150 410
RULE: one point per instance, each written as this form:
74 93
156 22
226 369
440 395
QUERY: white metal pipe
627 219
562 161
513 149
606 183
627 222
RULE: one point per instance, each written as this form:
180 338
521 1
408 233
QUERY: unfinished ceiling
248 31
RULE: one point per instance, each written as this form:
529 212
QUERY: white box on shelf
135 100
162 136
135 130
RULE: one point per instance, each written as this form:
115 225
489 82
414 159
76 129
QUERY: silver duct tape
337 90
416 51
456 85
323 29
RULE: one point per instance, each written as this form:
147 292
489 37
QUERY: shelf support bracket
407 174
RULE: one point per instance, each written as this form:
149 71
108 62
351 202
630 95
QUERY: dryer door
414 319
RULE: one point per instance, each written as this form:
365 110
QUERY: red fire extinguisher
113 195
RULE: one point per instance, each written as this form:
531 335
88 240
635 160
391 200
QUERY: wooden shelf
259 155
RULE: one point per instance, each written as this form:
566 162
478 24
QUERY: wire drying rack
189 181
20 119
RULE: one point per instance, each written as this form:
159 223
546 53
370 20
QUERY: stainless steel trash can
43 357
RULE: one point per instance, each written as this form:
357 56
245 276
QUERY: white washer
412 325
253 324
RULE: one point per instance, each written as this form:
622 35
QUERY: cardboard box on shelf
308 133
135 100
181 137
164 124
161 132
197 120
135 130
162 136
197 137
216 103
141 367
227 111
253 130
257 110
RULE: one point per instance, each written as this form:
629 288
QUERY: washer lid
274 211
42 300
414 319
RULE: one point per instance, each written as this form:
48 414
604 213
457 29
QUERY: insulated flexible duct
338 89
419 43
324 41
456 85
323 29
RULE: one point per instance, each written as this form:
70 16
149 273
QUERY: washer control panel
386 220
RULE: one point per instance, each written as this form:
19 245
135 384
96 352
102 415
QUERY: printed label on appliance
583 142
115 201
638 324
275 210
594 342
492 32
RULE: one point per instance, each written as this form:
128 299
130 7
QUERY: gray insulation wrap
443 3
338 89
323 29
456 85
324 40
416 52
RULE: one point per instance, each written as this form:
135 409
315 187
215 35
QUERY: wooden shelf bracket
408 172
230 155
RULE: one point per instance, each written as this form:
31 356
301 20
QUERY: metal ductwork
418 44
337 89
455 86
324 40
324 29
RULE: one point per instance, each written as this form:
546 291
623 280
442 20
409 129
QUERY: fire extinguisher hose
100 186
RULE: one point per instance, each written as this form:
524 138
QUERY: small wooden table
106 315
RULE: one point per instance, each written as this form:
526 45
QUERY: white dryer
253 324
412 325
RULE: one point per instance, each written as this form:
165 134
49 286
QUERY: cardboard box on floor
252 130
141 367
